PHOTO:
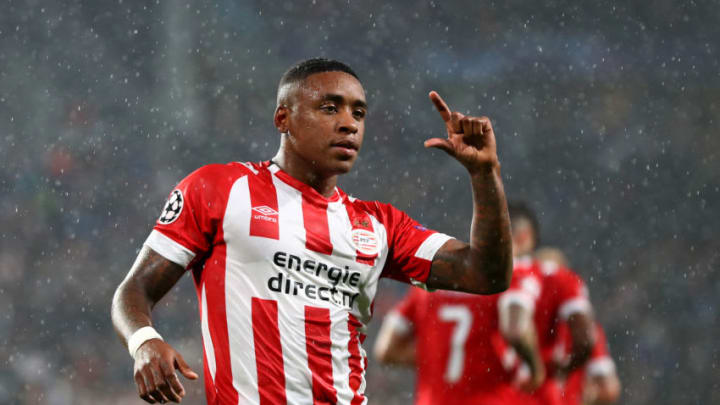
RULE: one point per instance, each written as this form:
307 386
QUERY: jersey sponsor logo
337 285
265 213
366 242
173 208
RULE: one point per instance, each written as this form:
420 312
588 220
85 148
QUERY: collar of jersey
306 190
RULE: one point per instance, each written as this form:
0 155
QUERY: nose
347 122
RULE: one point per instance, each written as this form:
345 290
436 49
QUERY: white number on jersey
462 317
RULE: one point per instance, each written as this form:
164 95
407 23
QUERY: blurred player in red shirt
457 342
564 300
596 382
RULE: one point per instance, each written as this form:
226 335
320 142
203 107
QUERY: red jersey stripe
317 341
317 232
268 352
214 279
264 211
355 359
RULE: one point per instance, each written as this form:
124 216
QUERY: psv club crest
366 242
173 208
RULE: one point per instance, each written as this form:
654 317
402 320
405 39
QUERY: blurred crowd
606 116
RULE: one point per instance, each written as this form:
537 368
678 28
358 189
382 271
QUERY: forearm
579 354
149 279
403 355
525 344
583 340
394 345
131 309
490 238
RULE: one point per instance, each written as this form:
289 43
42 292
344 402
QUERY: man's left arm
483 266
395 343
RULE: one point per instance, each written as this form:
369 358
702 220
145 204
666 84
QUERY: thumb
184 368
440 143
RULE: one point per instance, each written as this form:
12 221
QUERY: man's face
326 121
523 237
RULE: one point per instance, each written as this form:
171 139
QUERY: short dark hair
303 69
519 210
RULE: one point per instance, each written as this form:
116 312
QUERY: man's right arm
581 331
149 279
518 329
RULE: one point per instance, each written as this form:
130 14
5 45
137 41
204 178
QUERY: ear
281 119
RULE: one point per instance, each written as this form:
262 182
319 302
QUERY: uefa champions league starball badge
173 208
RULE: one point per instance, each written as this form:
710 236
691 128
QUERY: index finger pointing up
441 106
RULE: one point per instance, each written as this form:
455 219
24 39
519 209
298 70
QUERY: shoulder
219 172
385 213
213 177
570 278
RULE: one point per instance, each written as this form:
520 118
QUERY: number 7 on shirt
461 316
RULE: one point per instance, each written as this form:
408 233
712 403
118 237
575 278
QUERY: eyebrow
337 98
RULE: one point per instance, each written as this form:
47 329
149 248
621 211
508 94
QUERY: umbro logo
265 210
265 213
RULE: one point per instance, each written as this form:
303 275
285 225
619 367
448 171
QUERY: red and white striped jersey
285 279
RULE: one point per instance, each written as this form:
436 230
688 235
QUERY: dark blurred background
606 115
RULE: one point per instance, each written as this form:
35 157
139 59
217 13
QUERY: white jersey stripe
238 293
431 245
298 378
290 209
340 336
207 340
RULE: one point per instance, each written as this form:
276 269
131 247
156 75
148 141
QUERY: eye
359 114
329 108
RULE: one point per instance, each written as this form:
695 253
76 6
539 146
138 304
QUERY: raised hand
155 364
470 140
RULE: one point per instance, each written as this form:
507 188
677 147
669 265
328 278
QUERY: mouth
347 145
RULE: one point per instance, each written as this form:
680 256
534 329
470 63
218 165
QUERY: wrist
141 336
485 171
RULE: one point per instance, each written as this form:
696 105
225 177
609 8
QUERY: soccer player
596 382
564 301
460 343
286 265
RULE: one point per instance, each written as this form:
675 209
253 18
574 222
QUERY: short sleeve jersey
285 279
459 347
564 294
600 364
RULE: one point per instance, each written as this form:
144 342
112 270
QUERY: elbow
500 278
116 299
503 270
502 282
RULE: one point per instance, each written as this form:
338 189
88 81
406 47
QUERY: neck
306 172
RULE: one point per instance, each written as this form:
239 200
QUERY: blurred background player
458 343
564 299
596 383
